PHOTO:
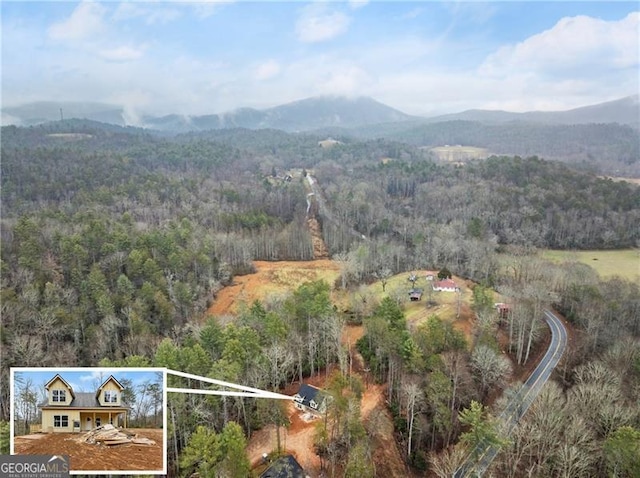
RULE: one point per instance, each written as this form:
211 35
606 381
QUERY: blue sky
422 57
85 380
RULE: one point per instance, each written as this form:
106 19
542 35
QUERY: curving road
479 459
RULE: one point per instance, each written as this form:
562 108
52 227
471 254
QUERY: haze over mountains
603 138
313 114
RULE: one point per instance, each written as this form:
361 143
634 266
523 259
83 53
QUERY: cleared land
280 278
271 279
628 180
442 304
459 153
624 263
94 457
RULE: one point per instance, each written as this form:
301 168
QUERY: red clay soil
299 438
269 278
94 457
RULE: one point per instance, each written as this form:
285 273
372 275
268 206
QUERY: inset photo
106 420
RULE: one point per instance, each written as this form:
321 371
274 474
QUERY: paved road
479 459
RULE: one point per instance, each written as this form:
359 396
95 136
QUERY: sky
421 57
85 380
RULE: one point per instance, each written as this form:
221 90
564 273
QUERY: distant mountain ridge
624 111
316 113
45 111
303 115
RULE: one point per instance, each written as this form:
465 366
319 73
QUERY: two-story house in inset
311 400
67 411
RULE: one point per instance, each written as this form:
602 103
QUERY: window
110 396
60 421
59 396
98 421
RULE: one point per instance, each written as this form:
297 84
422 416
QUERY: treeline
106 251
266 348
114 245
436 380
528 202
605 148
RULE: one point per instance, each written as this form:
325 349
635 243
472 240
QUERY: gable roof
81 399
445 284
284 467
111 378
57 376
308 394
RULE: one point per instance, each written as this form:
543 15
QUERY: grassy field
459 153
624 263
445 304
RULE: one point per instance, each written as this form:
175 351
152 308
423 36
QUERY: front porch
93 419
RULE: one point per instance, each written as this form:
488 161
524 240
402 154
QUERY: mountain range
315 114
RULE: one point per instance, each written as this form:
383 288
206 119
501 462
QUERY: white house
445 285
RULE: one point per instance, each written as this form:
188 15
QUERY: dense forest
114 241
606 148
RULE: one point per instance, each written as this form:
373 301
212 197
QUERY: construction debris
108 435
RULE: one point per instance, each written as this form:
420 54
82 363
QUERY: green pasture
624 263
445 304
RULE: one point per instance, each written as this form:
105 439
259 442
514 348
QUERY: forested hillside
607 148
114 243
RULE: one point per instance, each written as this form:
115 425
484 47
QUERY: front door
87 425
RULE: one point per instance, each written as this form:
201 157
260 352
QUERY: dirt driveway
93 457
275 278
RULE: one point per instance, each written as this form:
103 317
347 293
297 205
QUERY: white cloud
94 375
574 44
267 70
206 8
85 21
356 4
349 80
133 101
317 24
152 14
123 53
413 13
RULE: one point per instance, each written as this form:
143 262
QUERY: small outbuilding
503 309
415 294
431 275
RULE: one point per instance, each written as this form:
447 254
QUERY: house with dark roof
415 294
67 411
284 467
311 399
